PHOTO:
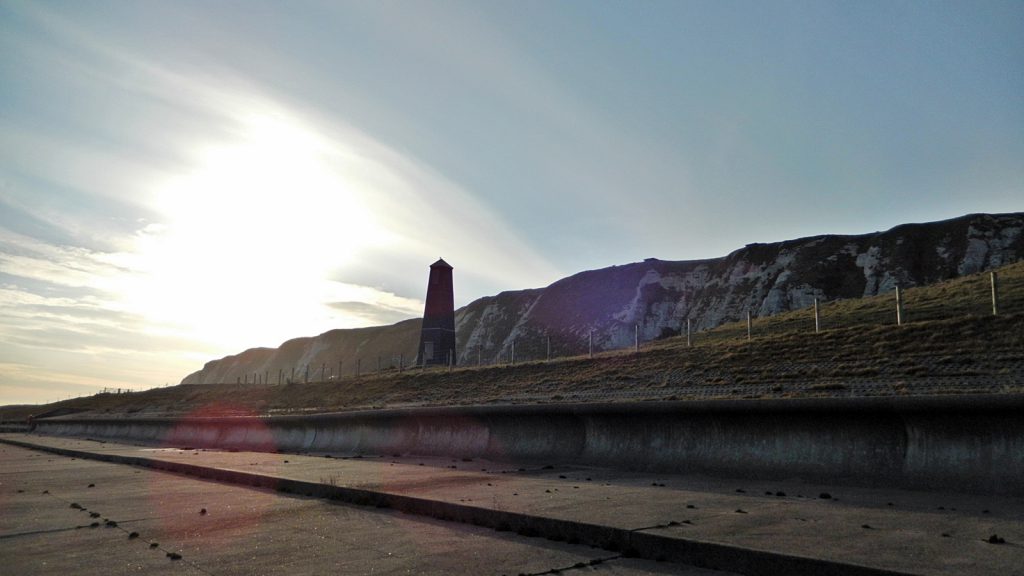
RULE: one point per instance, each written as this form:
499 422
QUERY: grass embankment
950 343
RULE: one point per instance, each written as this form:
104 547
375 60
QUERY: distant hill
655 298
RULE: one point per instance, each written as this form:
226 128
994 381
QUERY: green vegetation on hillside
951 343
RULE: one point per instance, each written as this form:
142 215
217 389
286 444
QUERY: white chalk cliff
660 295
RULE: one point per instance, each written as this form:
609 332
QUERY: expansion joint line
576 566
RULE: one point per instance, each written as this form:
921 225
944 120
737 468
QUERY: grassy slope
952 344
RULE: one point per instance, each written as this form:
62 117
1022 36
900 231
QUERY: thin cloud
236 234
373 313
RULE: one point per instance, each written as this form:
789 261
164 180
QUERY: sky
183 180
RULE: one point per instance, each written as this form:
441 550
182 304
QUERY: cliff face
658 296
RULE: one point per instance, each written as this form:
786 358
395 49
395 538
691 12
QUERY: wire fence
970 296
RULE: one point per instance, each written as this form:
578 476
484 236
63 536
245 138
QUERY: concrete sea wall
960 443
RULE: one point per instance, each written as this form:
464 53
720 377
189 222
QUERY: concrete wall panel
966 443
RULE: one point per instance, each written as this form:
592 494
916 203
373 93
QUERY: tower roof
441 264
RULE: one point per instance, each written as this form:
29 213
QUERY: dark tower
437 339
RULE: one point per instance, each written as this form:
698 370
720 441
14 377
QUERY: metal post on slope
748 326
307 373
899 306
513 356
687 332
636 337
817 318
323 371
549 348
994 278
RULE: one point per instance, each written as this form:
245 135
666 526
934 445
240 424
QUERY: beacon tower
437 338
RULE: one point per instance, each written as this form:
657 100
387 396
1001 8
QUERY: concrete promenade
65 516
552 510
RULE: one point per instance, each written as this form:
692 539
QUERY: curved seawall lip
964 443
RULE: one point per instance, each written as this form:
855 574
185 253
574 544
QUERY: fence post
549 348
513 352
899 306
817 318
280 373
323 371
636 337
995 292
293 374
401 363
748 325
307 373
687 332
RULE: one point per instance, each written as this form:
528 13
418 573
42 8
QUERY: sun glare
252 232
